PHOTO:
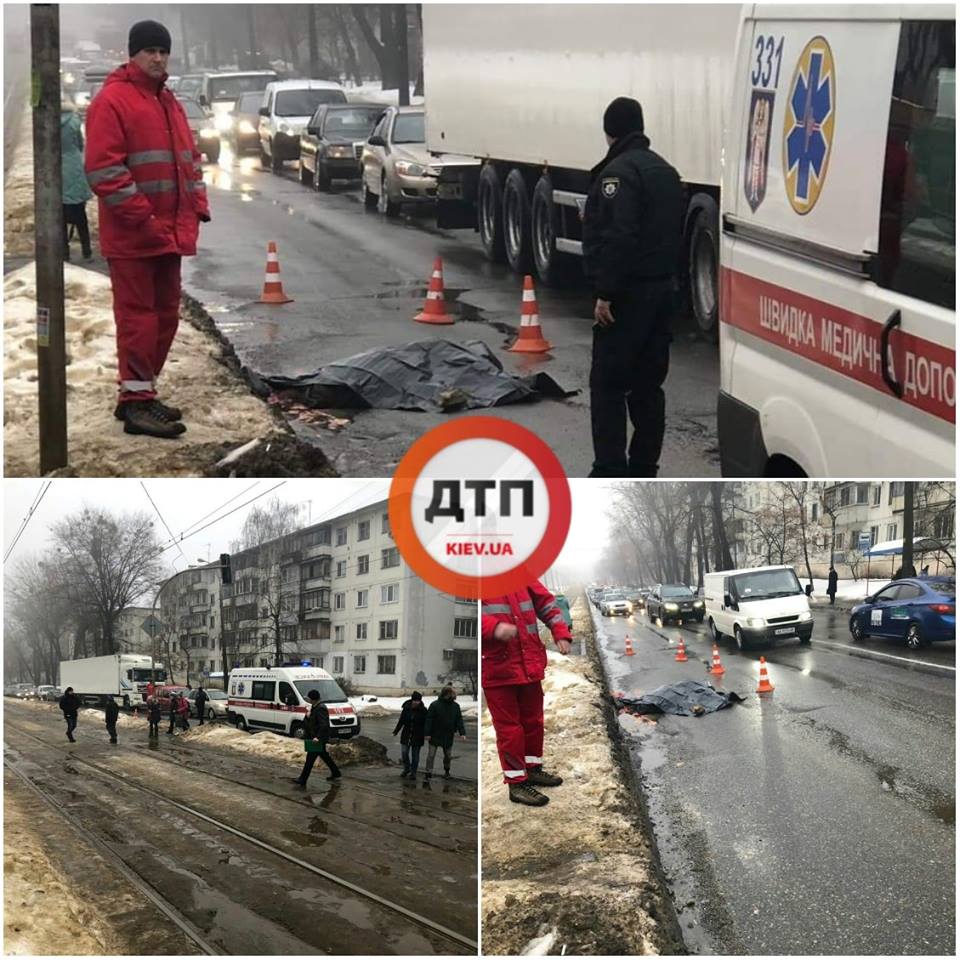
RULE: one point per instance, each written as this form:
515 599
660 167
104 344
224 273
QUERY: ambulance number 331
767 49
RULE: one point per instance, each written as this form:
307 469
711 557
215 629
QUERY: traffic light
226 574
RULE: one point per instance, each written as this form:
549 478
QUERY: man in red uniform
513 661
143 165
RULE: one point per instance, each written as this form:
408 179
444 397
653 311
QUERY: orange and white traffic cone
717 668
531 335
272 287
765 685
435 310
681 656
628 647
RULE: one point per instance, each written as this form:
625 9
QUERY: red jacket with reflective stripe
142 163
524 658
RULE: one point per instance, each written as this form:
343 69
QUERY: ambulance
276 698
838 244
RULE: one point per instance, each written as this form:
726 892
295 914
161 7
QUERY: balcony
317 551
316 613
199 607
314 583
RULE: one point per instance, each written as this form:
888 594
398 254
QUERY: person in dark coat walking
317 730
70 705
444 721
411 726
201 702
111 712
632 231
832 585
153 717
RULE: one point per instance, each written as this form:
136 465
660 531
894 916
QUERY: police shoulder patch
609 186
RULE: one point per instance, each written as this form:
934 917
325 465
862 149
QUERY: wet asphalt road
818 819
464 763
358 278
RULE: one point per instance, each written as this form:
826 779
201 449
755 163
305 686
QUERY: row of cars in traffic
763 605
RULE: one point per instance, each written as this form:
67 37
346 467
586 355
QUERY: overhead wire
160 515
37 500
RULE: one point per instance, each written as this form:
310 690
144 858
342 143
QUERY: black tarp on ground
425 375
687 698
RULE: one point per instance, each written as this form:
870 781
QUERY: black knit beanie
416 695
146 34
623 116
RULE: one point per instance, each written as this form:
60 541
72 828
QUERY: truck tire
490 213
552 267
305 178
703 264
126 702
517 236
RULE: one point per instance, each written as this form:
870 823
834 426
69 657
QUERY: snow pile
372 92
849 592
125 720
220 413
385 706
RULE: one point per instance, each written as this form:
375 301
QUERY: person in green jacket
76 190
444 721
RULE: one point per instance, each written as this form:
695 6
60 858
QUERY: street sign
206 673
864 543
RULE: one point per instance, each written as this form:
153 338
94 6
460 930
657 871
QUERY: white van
755 606
838 244
275 698
288 106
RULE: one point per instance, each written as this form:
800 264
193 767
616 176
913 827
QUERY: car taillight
947 608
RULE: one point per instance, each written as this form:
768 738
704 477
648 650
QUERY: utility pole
312 40
907 568
184 43
48 218
403 56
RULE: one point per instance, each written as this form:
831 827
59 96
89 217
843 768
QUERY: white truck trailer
121 676
522 88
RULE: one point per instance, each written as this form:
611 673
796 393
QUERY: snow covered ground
372 93
385 706
849 592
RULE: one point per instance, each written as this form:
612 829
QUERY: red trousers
517 714
146 307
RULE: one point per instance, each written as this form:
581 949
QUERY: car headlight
670 606
223 122
208 133
698 603
245 126
340 151
408 169
69 78
806 615
755 623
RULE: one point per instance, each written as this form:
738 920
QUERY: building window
341 568
315 630
363 564
390 593
388 629
838 541
465 661
389 558
315 569
387 664
361 631
845 496
896 490
360 664
339 601
363 597
943 525
465 628
339 633
863 492
874 535
341 536
876 495
338 665
891 530
363 530
814 510
385 525
317 599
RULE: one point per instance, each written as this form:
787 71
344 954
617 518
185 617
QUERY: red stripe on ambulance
842 341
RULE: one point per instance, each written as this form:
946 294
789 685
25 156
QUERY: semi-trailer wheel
490 213
517 239
552 267
703 264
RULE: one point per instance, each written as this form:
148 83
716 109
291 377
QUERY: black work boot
524 793
139 416
540 778
161 409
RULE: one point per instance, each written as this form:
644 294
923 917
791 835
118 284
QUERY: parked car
674 601
917 611
48 692
219 91
287 108
396 166
26 691
201 125
614 603
165 691
216 706
190 86
332 144
172 83
242 133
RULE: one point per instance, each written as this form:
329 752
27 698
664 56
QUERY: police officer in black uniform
631 245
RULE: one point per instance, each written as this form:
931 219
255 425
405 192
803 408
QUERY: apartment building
188 625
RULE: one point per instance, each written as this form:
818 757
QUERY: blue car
917 611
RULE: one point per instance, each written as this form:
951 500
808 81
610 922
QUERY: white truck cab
838 244
275 698
757 605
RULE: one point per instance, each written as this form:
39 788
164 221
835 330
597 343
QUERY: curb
918 666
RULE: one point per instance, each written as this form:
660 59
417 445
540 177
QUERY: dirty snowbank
220 412
389 706
577 875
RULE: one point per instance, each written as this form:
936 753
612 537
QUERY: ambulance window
918 226
287 696
263 690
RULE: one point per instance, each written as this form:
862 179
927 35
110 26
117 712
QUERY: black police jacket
632 224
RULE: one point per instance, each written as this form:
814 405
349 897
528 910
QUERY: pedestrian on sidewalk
513 662
411 727
183 713
76 190
832 584
632 227
315 736
174 703
153 717
111 712
444 722
201 701
70 705
143 164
